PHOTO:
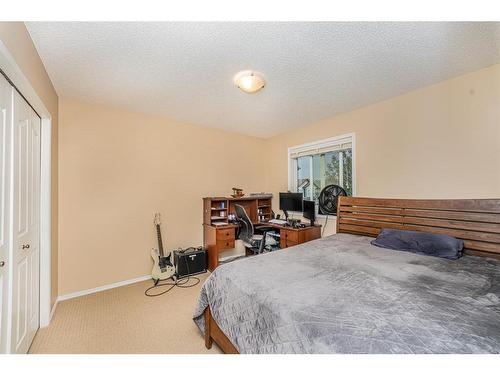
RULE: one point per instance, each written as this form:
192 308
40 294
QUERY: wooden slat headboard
475 221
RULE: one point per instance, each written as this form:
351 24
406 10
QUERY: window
316 165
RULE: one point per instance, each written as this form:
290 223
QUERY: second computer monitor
310 211
291 202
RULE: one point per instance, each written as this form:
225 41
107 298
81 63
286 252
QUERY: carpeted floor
124 320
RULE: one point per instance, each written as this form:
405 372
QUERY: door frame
15 74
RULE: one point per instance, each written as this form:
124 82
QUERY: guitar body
163 267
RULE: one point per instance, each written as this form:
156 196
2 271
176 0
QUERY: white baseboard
101 288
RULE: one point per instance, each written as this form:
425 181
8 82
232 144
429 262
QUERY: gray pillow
438 245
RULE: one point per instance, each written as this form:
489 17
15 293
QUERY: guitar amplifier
190 261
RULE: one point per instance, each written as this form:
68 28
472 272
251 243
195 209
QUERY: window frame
323 143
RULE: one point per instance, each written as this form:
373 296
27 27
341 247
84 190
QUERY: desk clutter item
237 193
278 221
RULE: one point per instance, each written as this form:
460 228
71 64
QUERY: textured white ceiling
184 71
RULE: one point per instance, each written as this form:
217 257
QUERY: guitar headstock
157 220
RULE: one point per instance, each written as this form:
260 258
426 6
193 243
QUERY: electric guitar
163 267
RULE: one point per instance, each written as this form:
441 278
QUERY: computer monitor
310 211
291 202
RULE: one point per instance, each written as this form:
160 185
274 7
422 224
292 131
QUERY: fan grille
328 199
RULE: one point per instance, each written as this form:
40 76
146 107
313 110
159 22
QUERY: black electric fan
328 200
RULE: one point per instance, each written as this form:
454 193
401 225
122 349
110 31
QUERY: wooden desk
218 234
217 239
221 238
294 236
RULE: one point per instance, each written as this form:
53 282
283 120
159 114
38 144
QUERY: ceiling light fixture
249 81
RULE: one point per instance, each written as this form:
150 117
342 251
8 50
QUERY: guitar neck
160 243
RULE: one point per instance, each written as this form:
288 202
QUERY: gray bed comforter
342 295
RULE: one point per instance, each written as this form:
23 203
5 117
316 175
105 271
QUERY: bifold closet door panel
26 214
6 92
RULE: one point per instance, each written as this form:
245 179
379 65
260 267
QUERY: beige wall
117 168
17 40
442 141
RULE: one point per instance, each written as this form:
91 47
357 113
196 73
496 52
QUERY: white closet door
6 92
26 238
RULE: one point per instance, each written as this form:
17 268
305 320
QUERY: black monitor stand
286 214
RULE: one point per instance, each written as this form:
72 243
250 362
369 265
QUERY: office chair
253 242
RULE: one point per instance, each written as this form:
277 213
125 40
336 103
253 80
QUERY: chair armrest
264 229
240 224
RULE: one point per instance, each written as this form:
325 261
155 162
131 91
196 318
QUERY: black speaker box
189 262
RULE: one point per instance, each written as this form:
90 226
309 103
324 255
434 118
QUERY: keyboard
277 221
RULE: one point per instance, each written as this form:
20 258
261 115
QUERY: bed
340 294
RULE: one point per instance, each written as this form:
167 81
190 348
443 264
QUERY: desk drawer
290 236
225 234
225 244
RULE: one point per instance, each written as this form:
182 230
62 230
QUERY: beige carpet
124 320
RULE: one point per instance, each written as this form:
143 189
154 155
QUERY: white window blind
320 149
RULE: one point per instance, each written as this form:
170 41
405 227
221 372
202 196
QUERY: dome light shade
249 81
